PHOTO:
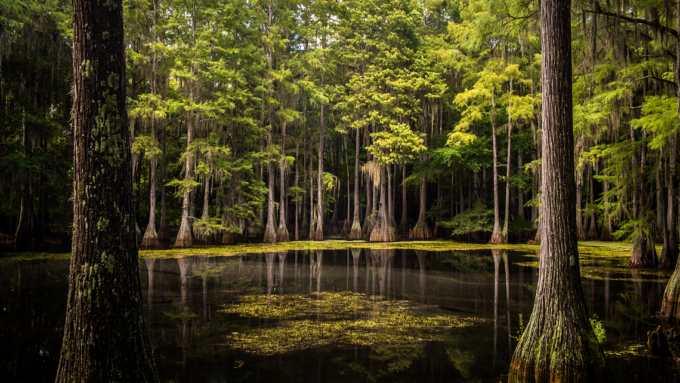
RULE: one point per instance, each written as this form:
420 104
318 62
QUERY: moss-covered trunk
559 344
105 335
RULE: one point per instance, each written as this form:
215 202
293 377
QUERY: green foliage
520 330
599 330
478 219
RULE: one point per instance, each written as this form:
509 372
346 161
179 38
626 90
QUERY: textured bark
559 344
355 232
105 335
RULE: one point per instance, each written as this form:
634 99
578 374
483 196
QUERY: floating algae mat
338 318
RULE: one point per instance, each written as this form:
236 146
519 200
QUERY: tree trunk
318 235
496 235
506 222
383 231
269 230
105 334
421 230
668 255
559 344
355 232
150 240
22 236
403 226
282 234
592 229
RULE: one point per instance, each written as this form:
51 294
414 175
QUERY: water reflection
191 315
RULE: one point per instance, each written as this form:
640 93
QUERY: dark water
190 331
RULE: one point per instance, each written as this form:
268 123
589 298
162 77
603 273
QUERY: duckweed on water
328 318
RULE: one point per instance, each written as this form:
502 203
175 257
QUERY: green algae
305 321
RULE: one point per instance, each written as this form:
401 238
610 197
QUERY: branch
657 79
653 24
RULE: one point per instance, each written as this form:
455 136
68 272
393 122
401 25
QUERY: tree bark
403 225
559 344
105 335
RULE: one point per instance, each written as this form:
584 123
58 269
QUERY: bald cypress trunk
150 240
105 335
318 234
559 344
421 230
496 235
383 230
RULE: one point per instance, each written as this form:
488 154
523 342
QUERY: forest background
282 120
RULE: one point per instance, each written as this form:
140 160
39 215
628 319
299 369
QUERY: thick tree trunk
559 344
105 335
383 230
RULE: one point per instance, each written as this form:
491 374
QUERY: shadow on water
331 315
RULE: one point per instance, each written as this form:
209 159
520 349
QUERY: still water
354 315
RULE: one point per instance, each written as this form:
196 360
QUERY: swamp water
348 315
